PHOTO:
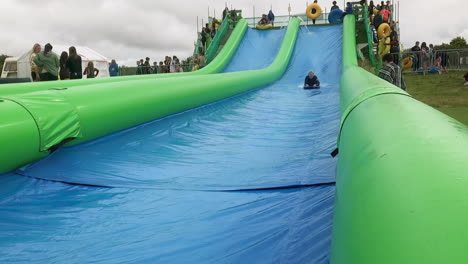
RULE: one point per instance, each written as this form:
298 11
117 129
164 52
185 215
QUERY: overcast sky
129 30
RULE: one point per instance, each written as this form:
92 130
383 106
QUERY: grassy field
444 92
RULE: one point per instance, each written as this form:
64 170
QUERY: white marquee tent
87 54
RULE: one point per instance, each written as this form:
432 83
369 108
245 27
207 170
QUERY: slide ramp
246 179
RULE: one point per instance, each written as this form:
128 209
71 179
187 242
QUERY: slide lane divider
402 179
117 106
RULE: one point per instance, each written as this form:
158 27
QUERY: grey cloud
130 30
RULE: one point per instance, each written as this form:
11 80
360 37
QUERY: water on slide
263 44
197 187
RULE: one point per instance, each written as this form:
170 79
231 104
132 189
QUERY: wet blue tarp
46 222
257 50
182 182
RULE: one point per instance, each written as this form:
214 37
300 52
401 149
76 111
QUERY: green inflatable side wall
217 65
402 180
101 109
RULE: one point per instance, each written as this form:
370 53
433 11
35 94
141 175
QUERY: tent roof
85 53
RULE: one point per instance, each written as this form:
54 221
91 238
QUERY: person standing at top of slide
335 6
314 11
271 17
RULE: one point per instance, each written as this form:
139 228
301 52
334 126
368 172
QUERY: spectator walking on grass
167 63
155 68
74 64
142 67
178 68
47 64
442 60
138 68
392 72
113 69
90 71
424 57
416 51
162 67
147 65
172 64
64 72
431 55
34 71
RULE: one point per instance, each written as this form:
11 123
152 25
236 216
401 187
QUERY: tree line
456 43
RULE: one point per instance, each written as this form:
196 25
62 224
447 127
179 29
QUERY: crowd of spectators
170 65
46 65
379 14
426 57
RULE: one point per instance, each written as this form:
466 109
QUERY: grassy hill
444 92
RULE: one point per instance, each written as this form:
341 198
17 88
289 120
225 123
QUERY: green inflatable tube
402 180
86 112
217 65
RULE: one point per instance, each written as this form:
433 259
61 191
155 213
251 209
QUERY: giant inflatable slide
232 163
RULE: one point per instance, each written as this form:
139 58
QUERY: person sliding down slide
311 81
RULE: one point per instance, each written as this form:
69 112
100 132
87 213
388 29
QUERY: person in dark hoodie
311 81
48 64
74 64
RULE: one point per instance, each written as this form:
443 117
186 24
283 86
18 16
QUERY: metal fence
456 59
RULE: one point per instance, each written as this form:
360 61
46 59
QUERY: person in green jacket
47 64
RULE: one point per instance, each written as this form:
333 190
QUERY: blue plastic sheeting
278 136
46 222
257 50
174 204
